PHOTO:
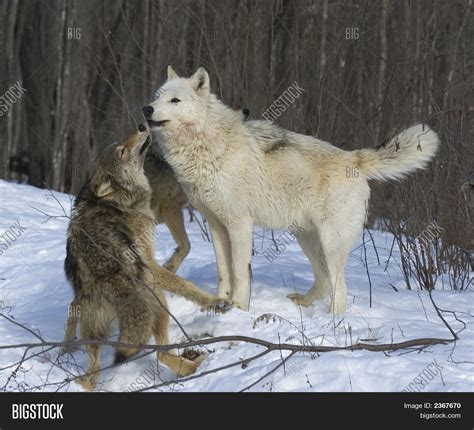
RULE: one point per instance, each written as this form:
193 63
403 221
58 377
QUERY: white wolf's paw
299 299
241 305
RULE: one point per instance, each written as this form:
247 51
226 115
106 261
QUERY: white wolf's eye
175 100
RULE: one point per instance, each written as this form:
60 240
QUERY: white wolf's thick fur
244 173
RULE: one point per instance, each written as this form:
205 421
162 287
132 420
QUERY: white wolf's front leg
221 243
240 236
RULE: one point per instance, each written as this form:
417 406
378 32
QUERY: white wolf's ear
200 81
103 189
172 74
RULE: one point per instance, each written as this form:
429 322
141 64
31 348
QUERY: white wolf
243 173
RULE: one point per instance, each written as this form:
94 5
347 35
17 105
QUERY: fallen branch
422 342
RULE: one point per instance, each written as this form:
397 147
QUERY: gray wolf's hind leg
179 365
174 220
71 325
92 328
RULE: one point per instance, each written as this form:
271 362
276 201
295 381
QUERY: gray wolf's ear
172 74
102 187
200 81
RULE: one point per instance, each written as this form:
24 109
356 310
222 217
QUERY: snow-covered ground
34 291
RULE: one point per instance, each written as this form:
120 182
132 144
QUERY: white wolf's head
180 103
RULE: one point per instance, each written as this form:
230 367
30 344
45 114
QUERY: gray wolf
112 215
243 173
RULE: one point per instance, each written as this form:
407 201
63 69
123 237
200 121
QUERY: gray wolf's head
180 103
118 172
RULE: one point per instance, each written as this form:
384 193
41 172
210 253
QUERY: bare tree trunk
322 55
11 146
383 60
61 102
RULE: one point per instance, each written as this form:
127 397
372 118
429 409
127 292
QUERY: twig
282 363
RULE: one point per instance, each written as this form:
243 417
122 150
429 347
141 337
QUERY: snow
35 292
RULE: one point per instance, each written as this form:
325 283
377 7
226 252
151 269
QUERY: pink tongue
147 127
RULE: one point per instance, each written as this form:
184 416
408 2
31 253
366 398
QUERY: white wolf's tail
411 150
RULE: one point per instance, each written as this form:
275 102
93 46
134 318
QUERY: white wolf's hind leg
336 248
338 301
328 260
312 248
